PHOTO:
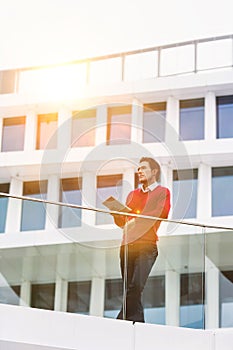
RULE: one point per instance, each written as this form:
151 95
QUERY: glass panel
4 188
83 128
177 60
13 134
42 296
154 120
54 83
33 213
70 192
109 185
192 119
106 71
224 116
184 193
192 300
7 81
214 54
222 187
79 297
9 294
46 131
141 66
119 125
226 298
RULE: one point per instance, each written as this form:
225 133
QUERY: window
9 295
79 297
154 300
13 134
70 192
192 119
184 193
33 213
119 125
42 296
83 128
224 117
4 188
107 185
46 131
113 297
226 298
154 121
7 81
192 300
222 187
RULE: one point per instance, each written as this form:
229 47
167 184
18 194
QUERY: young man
139 244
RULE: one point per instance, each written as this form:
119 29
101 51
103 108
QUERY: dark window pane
192 300
79 297
224 116
226 298
192 119
222 187
154 121
110 185
113 297
42 296
184 193
119 125
83 128
4 188
13 134
46 131
33 213
154 300
70 192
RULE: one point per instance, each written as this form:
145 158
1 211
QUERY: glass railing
190 284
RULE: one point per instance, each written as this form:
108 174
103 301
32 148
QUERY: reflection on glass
43 295
107 185
192 300
141 66
13 134
79 297
83 131
9 295
192 119
70 192
46 131
33 213
224 117
226 298
4 188
222 187
184 193
154 120
119 125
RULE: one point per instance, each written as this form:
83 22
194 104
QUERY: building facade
73 133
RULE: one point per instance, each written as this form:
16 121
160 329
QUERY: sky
38 32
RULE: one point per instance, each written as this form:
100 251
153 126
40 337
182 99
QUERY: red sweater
152 203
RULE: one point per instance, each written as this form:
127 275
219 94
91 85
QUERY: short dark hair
153 165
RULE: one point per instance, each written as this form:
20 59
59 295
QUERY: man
139 244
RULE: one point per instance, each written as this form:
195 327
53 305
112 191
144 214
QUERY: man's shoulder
161 189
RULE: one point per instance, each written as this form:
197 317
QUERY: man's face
146 176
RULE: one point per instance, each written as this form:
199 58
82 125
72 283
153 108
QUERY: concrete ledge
24 328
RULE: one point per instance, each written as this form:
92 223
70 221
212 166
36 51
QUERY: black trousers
140 259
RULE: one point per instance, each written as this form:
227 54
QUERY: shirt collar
149 188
